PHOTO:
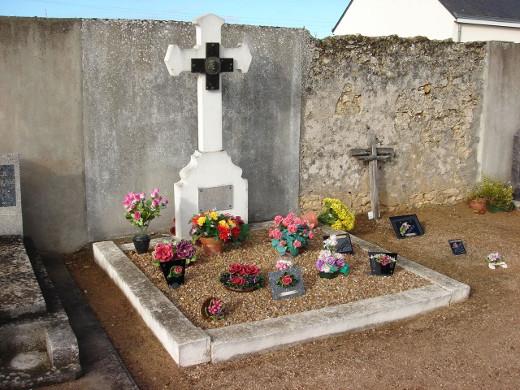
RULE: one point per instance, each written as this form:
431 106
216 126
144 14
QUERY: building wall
40 118
423 98
478 32
405 18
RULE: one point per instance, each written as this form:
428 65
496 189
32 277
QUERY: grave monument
210 180
373 154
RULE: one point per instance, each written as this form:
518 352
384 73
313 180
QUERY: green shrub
499 196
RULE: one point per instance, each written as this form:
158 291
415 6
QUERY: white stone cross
208 59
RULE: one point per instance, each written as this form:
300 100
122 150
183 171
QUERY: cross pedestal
373 154
210 180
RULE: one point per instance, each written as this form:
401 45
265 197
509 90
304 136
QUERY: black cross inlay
212 65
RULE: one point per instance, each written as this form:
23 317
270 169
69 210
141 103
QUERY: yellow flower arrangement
213 215
201 220
337 215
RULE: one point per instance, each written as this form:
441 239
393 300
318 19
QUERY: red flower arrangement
242 277
287 280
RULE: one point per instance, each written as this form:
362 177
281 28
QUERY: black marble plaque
281 292
457 247
406 226
7 186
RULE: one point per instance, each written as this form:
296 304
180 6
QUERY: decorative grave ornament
406 226
373 154
495 260
210 181
457 247
286 283
382 263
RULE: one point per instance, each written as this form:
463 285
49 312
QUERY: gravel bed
202 281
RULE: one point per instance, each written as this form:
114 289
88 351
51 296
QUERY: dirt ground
471 345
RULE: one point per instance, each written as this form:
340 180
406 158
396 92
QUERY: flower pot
175 278
141 243
211 246
205 314
478 205
328 275
379 269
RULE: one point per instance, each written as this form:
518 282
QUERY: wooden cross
209 68
373 154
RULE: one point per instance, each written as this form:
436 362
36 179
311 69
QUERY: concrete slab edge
187 344
236 340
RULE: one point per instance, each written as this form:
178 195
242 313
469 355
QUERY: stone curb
232 341
187 344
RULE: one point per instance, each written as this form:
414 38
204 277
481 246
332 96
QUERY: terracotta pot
478 205
211 246
311 218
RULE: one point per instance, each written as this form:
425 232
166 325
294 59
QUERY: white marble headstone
210 173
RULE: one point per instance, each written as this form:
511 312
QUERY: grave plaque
216 198
457 247
279 291
7 186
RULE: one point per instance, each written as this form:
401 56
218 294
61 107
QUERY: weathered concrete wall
423 98
140 124
501 113
40 118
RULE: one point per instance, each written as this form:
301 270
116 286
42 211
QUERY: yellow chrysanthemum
201 221
213 215
223 223
231 224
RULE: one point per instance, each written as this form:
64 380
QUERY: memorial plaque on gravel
7 186
286 284
406 226
344 244
457 247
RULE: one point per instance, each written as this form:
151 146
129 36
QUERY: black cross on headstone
212 65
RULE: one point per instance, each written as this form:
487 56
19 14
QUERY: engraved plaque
7 186
218 198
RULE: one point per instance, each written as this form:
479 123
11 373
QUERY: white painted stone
186 344
209 103
28 360
207 170
210 166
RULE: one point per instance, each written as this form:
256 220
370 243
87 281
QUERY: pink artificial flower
276 234
292 228
155 193
297 244
141 196
155 203
311 235
163 252
278 219
137 215
283 243
298 221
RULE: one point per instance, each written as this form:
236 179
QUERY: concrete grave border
189 345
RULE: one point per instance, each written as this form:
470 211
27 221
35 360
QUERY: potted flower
140 212
492 195
213 309
283 264
172 268
494 260
330 264
184 249
335 214
213 230
290 234
242 277
382 263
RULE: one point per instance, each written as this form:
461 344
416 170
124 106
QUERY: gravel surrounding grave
202 281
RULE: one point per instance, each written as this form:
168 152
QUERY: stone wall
40 118
421 97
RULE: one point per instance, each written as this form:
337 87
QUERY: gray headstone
280 292
10 199
515 173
